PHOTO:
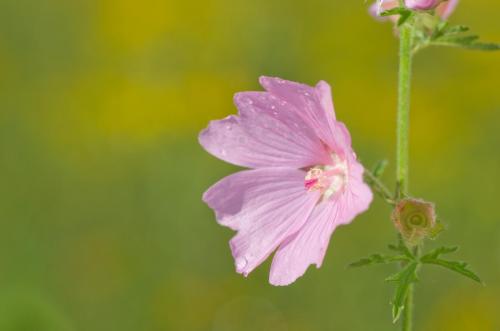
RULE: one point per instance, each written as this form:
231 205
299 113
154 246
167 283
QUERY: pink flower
303 183
422 4
443 8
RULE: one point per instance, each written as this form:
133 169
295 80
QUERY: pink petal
313 104
308 246
265 205
380 6
357 197
446 8
268 133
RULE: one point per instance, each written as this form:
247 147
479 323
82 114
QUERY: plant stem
402 149
379 187
403 119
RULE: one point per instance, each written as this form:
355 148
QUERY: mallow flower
443 8
304 178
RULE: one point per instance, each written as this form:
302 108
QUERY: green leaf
461 40
457 266
378 259
439 251
396 11
439 31
436 230
404 279
469 42
483 46
404 17
456 29
379 168
402 248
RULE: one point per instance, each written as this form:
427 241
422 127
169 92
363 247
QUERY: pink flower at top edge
443 9
304 179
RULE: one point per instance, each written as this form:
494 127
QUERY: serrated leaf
469 42
439 30
403 278
457 266
456 29
435 253
378 259
483 46
463 40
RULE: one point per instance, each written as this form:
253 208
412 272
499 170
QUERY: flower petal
266 134
308 246
265 205
445 9
313 104
357 196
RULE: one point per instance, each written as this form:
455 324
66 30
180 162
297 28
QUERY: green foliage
444 34
439 251
379 259
402 248
404 14
410 262
456 266
403 279
372 178
436 230
379 168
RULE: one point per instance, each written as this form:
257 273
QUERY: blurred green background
102 224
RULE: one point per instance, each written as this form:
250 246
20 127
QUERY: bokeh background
101 221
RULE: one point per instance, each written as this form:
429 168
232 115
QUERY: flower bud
422 4
443 8
415 220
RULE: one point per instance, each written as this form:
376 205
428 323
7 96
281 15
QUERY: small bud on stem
415 219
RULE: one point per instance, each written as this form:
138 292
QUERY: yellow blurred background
102 224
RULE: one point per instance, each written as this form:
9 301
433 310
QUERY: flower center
328 179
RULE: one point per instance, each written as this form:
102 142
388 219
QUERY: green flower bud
415 219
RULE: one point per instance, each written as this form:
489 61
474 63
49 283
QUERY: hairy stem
402 149
379 187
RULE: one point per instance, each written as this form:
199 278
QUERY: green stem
408 310
379 187
403 120
402 149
